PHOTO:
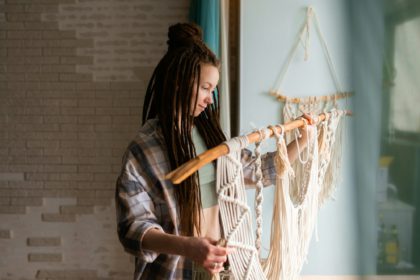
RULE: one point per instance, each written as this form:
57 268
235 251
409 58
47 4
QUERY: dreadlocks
169 96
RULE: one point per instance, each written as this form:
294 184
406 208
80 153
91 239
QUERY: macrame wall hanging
301 188
294 106
296 203
235 213
306 184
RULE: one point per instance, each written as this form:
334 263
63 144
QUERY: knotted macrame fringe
300 190
235 213
294 215
330 141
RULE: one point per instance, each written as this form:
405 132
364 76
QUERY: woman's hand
203 251
305 131
206 252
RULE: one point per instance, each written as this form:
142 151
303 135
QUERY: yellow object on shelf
385 161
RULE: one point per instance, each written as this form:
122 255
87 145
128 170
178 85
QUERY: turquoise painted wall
268 31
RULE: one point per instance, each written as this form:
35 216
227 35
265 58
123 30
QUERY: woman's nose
209 98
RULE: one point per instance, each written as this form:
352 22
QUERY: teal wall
268 31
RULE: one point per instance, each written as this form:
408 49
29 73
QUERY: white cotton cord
258 201
330 155
237 143
235 213
292 52
281 228
327 54
294 220
297 136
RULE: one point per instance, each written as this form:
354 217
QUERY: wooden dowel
187 169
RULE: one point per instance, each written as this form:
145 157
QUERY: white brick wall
72 79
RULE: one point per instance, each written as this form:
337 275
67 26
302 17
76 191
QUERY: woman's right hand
206 252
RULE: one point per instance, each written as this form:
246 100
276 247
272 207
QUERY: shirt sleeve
136 212
267 167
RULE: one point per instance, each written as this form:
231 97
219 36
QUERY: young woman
173 230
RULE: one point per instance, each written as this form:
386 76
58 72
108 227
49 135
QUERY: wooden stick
308 100
187 169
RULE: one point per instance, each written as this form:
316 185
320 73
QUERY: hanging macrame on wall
296 203
330 131
294 106
302 187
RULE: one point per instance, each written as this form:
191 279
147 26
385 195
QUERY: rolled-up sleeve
136 212
267 167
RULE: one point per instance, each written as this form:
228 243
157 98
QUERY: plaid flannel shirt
145 200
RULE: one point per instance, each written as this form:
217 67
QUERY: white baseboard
358 277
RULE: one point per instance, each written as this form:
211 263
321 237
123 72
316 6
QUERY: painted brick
93 85
22 34
41 25
10 8
58 218
95 103
112 111
23 17
43 241
76 177
5 234
44 257
13 43
41 8
23 68
60 168
59 185
42 60
49 77
94 120
76 111
76 209
41 177
42 144
26 201
54 34
66 274
25 52
59 51
12 209
27 185
94 168
4 200
60 119
93 201
11 176
86 124
75 77
76 59
57 86
58 68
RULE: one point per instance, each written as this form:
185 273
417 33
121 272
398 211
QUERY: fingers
220 251
309 118
211 254
214 267
216 259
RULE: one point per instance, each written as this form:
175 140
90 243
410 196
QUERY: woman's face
208 81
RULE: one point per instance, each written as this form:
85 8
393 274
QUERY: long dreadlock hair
172 89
